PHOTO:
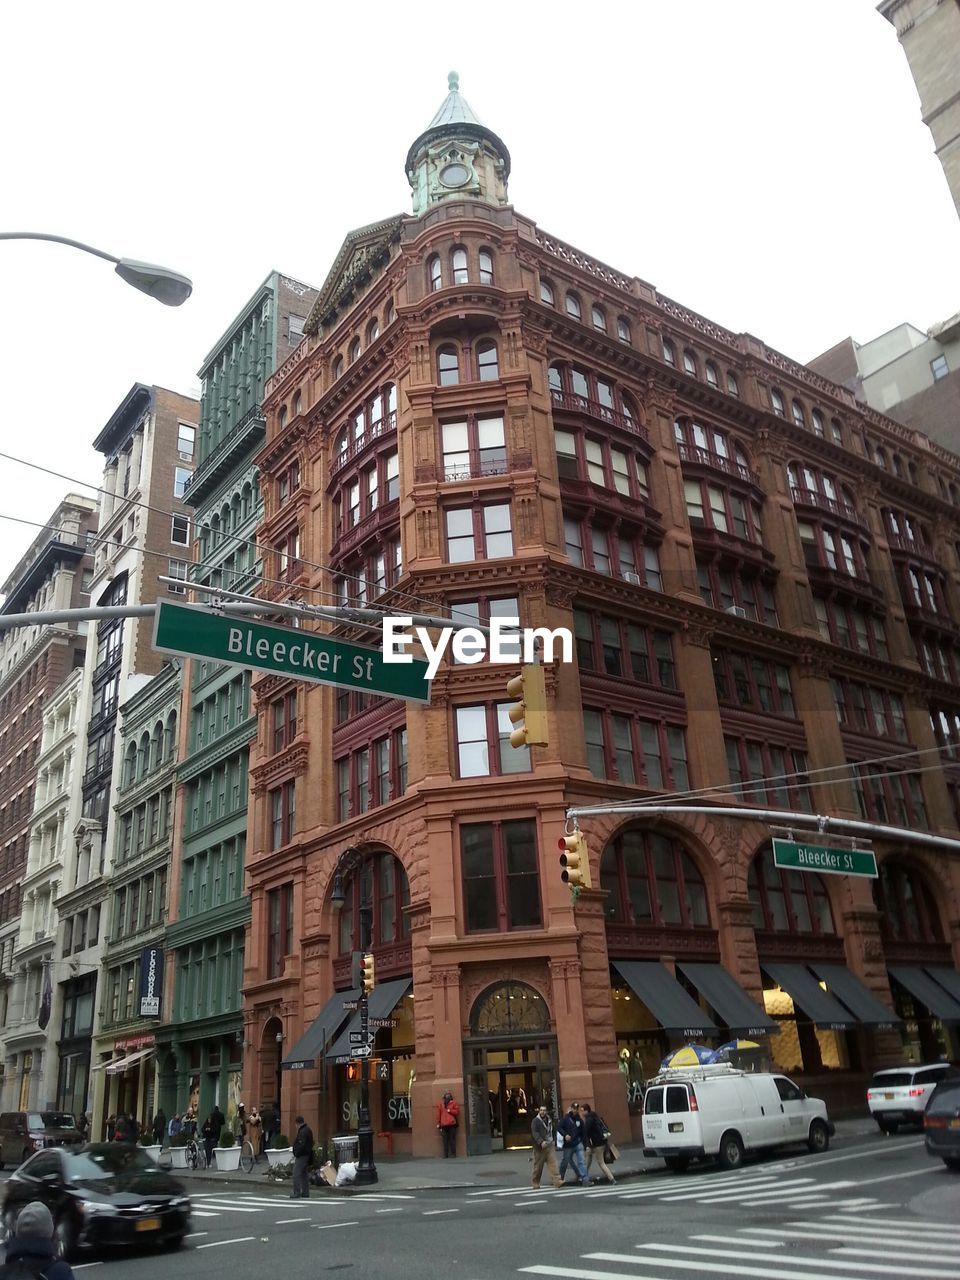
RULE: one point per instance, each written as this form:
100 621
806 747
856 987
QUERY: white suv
899 1095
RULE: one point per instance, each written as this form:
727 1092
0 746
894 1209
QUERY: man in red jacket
448 1116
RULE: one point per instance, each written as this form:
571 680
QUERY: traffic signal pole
366 1168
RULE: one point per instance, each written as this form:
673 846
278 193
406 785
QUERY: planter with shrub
178 1150
228 1153
148 1145
279 1152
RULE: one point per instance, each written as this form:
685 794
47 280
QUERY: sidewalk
421 1173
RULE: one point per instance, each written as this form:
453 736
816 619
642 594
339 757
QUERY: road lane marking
80 1266
432 1213
527 1203
282 1222
696 1262
195 1235
860 1235
333 1226
894 1253
215 1244
897 1231
397 1210
233 1208
199 1213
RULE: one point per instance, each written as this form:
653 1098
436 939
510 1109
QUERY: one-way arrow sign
361 1051
358 1037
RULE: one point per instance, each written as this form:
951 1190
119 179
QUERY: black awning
728 999
949 979
936 999
663 995
383 1000
318 1035
807 993
859 999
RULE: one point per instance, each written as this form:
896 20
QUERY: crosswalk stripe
952 1256
735 1193
234 1208
926 1228
699 1254
816 1230
199 1213
742 1269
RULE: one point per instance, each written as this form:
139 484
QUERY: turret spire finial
453 81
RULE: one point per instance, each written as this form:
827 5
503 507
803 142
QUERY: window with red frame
501 878
851 627
869 709
945 722
889 795
475 446
735 588
485 259
764 773
288 556
448 366
938 658
283 814
372 774
482 531
479 613
288 482
787 901
746 680
483 742
827 547
651 879
637 751
925 589
613 550
907 905
574 387
612 646
379 891
585 457
280 938
284 721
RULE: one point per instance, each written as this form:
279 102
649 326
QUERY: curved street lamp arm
169 287
42 235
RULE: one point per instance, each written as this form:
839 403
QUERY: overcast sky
761 161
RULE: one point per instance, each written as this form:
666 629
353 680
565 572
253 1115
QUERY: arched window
435 271
143 755
836 431
787 901
380 891
710 373
573 306
282 417
798 414
669 354
459 263
170 736
546 293
733 386
776 403
816 418
338 367
650 879
488 362
390 314
898 471
510 1009
130 765
690 363
912 472
908 908
156 745
486 266
448 366
342 442
599 317
297 404
623 329
953 492
373 331
354 350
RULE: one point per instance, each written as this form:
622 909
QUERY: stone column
708 766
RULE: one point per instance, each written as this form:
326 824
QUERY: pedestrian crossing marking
695 1263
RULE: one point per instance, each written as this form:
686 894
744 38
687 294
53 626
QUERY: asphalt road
871 1208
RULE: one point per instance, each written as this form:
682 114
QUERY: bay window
479 532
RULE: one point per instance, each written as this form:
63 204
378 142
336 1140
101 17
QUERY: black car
107 1193
941 1122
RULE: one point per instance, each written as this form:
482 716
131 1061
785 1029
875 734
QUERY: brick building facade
487 422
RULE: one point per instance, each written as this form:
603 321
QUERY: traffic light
353 1072
369 977
529 687
575 861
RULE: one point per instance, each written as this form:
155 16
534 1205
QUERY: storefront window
652 880
801 1046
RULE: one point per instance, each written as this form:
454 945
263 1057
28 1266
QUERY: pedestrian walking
30 1248
544 1148
571 1128
159 1126
211 1132
595 1138
302 1158
83 1124
255 1132
448 1118
175 1125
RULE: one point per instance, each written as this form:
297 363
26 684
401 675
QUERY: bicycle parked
196 1157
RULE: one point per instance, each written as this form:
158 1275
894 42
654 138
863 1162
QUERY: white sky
761 161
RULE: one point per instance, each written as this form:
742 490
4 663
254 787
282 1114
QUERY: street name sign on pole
194 632
814 857
358 1037
361 1051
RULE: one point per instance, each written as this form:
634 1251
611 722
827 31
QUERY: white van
698 1112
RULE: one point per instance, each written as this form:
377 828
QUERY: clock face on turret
454 175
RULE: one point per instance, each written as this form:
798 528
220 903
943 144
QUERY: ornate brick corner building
487 422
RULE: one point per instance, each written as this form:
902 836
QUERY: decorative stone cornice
291 762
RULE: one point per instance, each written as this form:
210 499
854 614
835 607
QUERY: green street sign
815 857
194 632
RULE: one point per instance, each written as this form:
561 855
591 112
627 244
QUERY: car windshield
50 1120
105 1163
887 1079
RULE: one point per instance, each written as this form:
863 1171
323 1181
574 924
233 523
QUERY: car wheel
677 1164
888 1126
952 1162
173 1242
64 1239
730 1154
819 1137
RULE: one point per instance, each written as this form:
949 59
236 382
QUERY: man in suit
302 1158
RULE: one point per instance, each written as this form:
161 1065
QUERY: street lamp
349 863
168 287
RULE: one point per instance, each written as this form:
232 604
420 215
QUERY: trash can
346 1146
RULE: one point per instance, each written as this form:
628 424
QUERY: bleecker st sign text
815 857
196 633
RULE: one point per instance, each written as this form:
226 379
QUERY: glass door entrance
505 1087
